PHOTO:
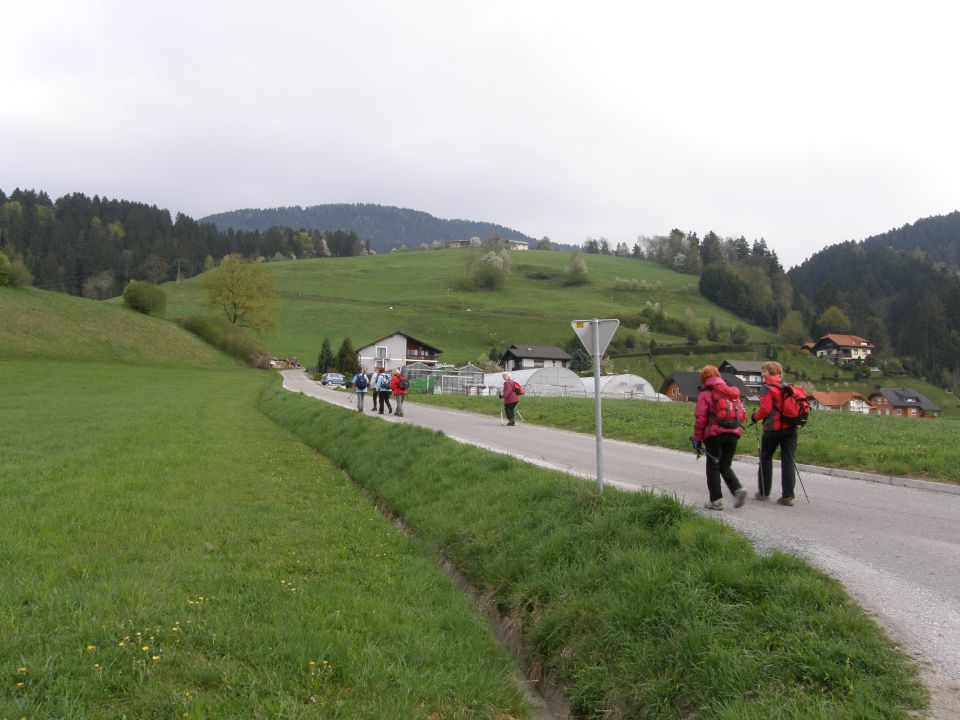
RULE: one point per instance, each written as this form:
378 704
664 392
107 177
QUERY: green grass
35 324
352 297
639 606
888 445
167 551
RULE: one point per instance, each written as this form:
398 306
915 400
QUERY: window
382 353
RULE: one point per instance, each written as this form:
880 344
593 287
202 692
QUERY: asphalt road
895 549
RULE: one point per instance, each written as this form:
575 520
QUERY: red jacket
705 422
395 384
771 400
510 394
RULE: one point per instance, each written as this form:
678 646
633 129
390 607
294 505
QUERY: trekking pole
501 410
760 463
801 481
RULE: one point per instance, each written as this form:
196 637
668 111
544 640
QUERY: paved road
895 549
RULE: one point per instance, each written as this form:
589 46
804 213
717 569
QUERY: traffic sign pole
597 414
595 335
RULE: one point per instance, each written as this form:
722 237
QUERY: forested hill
901 290
937 237
384 226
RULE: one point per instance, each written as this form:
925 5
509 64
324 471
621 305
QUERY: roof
749 366
408 337
689 383
539 352
906 397
836 399
846 341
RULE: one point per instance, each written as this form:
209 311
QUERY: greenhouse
623 387
540 382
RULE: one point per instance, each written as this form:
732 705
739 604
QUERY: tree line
95 246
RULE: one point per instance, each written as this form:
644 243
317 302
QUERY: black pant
384 397
720 451
508 409
786 440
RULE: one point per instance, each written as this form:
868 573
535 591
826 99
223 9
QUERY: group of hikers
382 385
718 424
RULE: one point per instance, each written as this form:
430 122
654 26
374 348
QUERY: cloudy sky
807 126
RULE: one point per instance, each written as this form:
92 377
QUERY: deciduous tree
244 291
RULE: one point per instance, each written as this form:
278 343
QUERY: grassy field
167 551
888 445
353 297
637 605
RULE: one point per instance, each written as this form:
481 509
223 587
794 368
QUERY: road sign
604 329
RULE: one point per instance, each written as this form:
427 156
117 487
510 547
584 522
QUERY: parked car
331 379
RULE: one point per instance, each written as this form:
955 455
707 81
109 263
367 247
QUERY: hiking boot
714 505
760 496
784 501
511 423
740 497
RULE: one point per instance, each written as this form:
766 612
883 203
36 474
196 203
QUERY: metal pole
598 417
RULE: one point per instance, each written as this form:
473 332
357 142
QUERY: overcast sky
807 126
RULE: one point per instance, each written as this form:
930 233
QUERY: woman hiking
716 425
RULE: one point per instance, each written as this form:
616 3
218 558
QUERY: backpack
404 383
518 388
361 383
796 406
383 382
729 412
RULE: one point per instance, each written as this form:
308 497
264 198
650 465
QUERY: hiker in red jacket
399 385
775 434
717 426
510 397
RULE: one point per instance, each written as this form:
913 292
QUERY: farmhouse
903 402
842 349
395 351
841 402
683 386
519 357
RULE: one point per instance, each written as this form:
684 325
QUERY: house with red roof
841 402
843 349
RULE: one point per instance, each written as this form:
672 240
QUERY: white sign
605 331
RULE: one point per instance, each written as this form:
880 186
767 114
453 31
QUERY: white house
519 357
395 351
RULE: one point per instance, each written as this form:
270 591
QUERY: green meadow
365 298
183 538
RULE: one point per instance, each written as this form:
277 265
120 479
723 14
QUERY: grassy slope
36 324
351 297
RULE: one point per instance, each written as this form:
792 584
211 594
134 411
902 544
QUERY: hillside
899 290
384 226
35 324
365 298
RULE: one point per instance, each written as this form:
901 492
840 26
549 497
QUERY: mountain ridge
385 226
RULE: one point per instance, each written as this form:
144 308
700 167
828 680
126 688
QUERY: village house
841 402
395 351
684 385
902 402
842 349
748 371
518 357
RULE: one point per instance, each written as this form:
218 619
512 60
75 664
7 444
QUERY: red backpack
796 406
728 411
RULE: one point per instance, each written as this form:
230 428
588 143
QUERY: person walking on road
399 385
716 425
360 384
382 388
776 434
511 396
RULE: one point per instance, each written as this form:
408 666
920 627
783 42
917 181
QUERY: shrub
4 270
144 297
228 338
20 275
